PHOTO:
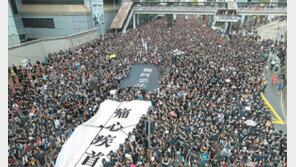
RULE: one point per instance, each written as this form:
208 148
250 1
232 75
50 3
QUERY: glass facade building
37 19
13 38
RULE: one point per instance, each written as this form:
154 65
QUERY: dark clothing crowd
199 110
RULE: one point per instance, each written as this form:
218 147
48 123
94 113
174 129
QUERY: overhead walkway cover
121 15
61 10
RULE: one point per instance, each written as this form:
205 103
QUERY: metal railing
226 18
193 3
173 8
262 9
205 8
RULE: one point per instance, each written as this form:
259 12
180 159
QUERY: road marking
283 111
278 120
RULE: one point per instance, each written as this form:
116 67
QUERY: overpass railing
214 4
173 8
262 9
226 18
204 8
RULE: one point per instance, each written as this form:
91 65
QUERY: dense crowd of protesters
251 6
199 109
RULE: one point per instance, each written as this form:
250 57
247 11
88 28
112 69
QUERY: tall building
35 19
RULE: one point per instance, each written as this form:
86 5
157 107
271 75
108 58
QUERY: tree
265 1
194 3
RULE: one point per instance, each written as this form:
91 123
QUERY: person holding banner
202 101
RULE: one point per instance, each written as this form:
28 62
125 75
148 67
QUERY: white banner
105 131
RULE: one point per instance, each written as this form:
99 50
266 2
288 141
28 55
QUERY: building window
38 23
22 37
62 2
13 5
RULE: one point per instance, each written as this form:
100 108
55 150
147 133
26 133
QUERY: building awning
54 10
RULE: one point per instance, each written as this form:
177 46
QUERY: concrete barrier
36 50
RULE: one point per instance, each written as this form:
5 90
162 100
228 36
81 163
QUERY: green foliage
265 1
194 3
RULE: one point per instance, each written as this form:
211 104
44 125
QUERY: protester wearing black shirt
212 76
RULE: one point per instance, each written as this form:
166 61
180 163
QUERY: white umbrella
250 122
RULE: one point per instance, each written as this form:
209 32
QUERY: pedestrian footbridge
206 10
133 9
